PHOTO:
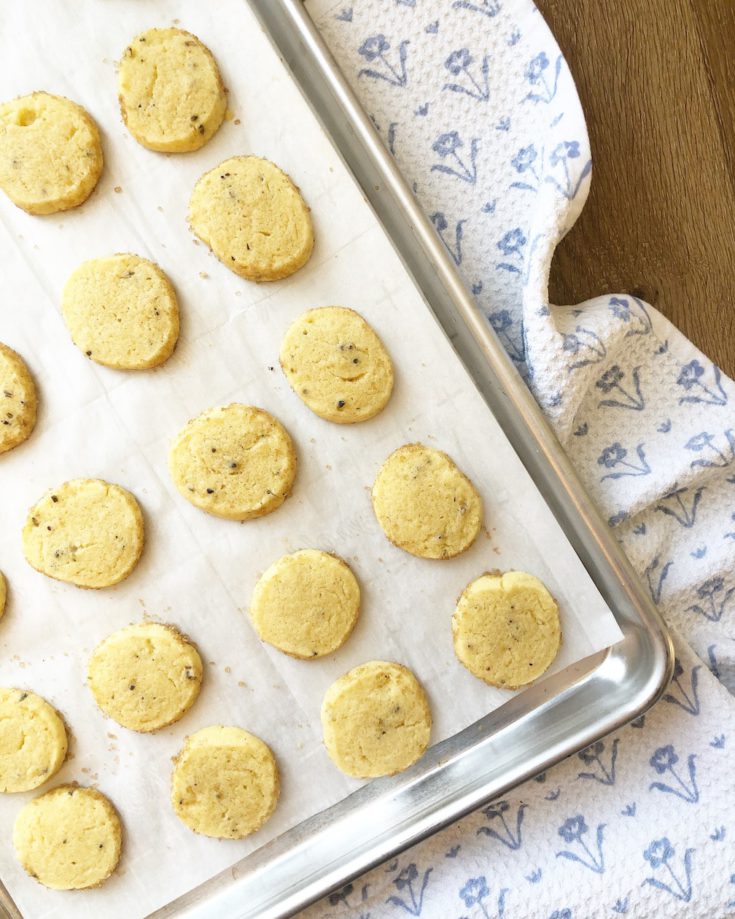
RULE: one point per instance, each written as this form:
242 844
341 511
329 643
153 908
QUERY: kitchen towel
476 102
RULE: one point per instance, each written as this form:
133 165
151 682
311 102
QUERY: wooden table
657 83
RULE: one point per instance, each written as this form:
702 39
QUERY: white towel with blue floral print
476 102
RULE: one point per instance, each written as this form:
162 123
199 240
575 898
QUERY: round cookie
306 604
171 93
376 720
18 400
68 838
3 594
337 365
122 312
425 504
85 532
33 740
145 676
252 216
506 629
235 461
50 153
225 782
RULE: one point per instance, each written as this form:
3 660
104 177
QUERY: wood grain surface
657 83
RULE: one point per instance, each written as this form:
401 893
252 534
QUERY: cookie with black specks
50 153
18 400
171 93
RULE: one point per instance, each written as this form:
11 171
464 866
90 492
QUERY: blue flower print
536 67
704 443
524 159
616 455
529 163
584 345
511 838
476 891
592 756
572 831
375 49
564 183
502 323
565 913
633 313
660 854
612 380
441 224
458 61
511 245
566 150
543 90
341 896
411 901
446 146
512 242
715 599
689 703
690 379
673 504
659 574
459 64
664 760
489 8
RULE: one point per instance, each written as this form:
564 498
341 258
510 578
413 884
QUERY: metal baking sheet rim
533 730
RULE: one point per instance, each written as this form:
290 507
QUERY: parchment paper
198 571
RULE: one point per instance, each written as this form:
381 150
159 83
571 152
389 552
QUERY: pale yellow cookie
252 216
3 594
425 504
145 676
235 461
306 604
337 365
376 720
171 93
50 153
32 740
506 629
85 532
18 400
225 782
68 838
121 311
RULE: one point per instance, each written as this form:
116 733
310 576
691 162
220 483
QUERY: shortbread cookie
50 153
3 594
225 782
32 740
171 93
425 504
506 629
85 532
18 400
306 604
121 311
337 365
235 461
69 838
376 720
145 676
252 216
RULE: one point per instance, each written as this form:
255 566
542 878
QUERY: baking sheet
198 571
